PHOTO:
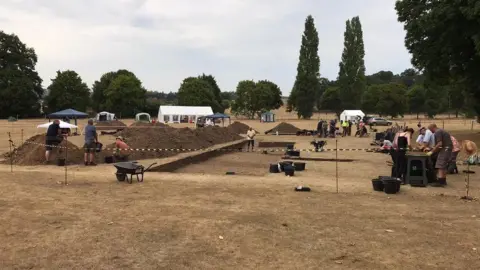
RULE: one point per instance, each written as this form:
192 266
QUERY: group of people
329 129
438 144
55 136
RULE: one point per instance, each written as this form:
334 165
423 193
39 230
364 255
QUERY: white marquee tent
351 115
143 117
62 125
105 116
174 114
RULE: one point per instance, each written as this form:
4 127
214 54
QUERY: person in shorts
250 136
443 147
90 145
52 139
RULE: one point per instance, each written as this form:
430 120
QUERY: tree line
445 57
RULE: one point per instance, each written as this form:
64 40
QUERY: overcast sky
164 41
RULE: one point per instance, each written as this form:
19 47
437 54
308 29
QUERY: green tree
351 77
416 99
255 98
197 92
67 90
323 83
302 97
216 90
125 96
331 100
20 86
443 38
385 99
99 87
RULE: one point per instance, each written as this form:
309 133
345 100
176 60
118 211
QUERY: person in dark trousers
53 138
401 143
91 139
251 138
350 124
443 148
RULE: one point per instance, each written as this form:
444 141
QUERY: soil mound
171 138
110 125
147 124
32 152
284 128
238 128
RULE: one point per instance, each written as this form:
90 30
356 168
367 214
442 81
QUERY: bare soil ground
199 218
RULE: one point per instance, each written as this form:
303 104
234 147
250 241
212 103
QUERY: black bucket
299 166
285 163
98 147
61 162
290 146
274 168
391 186
377 184
289 170
109 159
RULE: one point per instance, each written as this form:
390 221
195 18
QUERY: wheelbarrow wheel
121 176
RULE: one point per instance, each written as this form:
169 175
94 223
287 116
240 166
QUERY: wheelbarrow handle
150 166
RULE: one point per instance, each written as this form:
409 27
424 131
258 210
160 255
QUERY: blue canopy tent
216 116
69 114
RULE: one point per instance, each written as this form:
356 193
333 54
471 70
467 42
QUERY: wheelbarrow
130 168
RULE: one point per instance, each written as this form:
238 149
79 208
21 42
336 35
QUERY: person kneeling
121 147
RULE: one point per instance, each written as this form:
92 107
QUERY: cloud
164 41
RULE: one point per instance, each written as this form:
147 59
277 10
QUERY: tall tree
197 92
323 83
216 90
99 87
125 95
253 98
416 99
20 86
304 92
67 90
443 38
351 77
385 99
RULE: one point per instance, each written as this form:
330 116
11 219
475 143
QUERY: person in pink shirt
452 166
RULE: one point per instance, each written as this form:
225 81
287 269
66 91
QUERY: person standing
251 138
344 125
401 144
443 149
53 138
350 124
91 139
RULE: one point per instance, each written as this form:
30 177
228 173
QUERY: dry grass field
199 218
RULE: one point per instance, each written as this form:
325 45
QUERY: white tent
175 114
105 116
351 115
143 115
62 125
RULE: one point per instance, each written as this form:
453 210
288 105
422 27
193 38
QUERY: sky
165 41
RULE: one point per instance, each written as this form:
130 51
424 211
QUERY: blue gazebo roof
71 113
217 116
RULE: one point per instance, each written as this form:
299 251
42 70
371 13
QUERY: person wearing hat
120 145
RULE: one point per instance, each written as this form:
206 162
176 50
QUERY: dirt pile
171 138
110 125
147 124
32 152
238 128
283 128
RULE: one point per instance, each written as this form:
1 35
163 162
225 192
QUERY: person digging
120 151
91 139
53 139
250 136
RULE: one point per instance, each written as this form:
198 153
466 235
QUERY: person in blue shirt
90 145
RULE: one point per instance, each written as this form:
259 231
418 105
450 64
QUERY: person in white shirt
250 136
420 137
428 139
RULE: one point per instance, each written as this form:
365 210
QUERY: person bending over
121 146
53 138
91 139
443 147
